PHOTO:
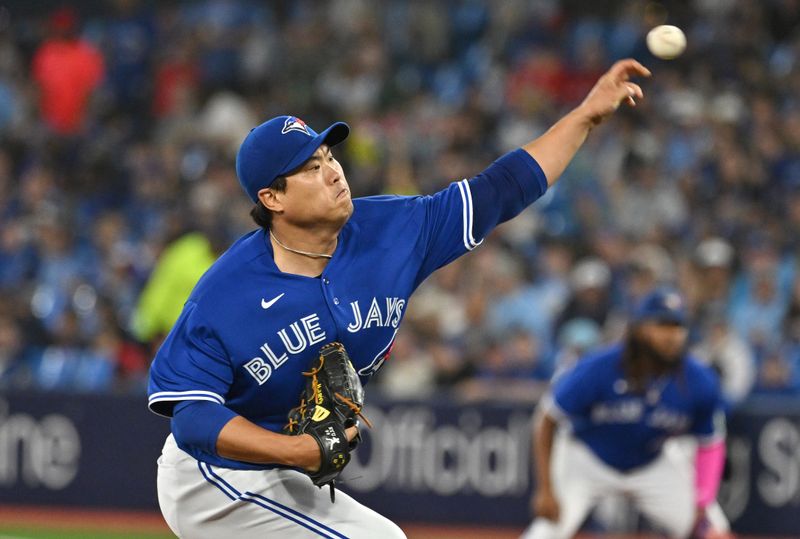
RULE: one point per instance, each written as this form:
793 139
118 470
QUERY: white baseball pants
199 501
663 490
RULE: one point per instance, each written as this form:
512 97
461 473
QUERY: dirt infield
67 518
146 522
64 518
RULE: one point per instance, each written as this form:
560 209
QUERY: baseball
666 41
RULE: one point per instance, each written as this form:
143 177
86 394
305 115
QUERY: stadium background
119 123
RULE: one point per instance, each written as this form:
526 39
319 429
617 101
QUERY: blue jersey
248 330
627 429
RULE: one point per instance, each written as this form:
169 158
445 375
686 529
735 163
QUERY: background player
322 268
622 404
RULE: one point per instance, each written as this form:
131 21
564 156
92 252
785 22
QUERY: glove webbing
344 400
293 423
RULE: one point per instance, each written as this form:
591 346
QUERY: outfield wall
434 462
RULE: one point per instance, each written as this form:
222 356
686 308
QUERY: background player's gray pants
203 502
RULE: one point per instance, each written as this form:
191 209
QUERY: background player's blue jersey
248 330
626 429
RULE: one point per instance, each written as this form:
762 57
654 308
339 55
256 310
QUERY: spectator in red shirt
67 69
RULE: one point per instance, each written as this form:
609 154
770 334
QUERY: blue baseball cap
662 305
277 147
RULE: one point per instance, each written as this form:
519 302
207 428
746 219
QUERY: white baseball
666 41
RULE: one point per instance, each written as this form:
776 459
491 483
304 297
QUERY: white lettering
276 361
779 448
355 326
394 311
662 418
294 348
56 456
409 452
448 455
374 315
734 492
626 411
305 332
314 332
258 369
41 453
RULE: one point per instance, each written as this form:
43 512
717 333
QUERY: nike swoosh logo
267 304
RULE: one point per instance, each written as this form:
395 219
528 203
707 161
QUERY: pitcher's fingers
624 69
634 90
351 433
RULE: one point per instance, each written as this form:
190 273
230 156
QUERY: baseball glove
330 403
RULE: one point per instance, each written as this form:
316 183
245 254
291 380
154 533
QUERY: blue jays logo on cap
663 304
293 123
673 301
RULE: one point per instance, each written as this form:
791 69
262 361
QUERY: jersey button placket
326 281
329 293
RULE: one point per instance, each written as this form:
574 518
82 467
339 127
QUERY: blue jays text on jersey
248 330
626 429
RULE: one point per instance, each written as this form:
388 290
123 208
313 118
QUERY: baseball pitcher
259 373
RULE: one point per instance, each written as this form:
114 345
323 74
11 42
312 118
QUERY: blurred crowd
120 121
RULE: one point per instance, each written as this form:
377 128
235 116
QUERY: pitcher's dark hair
260 214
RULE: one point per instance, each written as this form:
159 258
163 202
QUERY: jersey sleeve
573 394
190 365
459 217
708 422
